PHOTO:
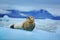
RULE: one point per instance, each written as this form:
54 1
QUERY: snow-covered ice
45 29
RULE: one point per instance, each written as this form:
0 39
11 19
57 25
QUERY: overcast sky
52 6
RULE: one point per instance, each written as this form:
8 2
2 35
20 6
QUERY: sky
53 6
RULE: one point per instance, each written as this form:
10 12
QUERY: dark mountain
43 14
56 18
39 14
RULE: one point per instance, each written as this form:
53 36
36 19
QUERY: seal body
28 24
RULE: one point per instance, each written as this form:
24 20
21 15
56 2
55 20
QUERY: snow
45 29
15 34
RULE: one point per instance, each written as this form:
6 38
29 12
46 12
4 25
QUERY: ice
45 29
15 34
40 24
47 24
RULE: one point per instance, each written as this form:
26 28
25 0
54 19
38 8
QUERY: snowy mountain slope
38 14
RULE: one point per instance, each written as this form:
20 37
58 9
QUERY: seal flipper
12 26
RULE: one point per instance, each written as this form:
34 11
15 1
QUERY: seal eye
28 17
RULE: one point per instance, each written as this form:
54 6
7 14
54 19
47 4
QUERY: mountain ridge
39 14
